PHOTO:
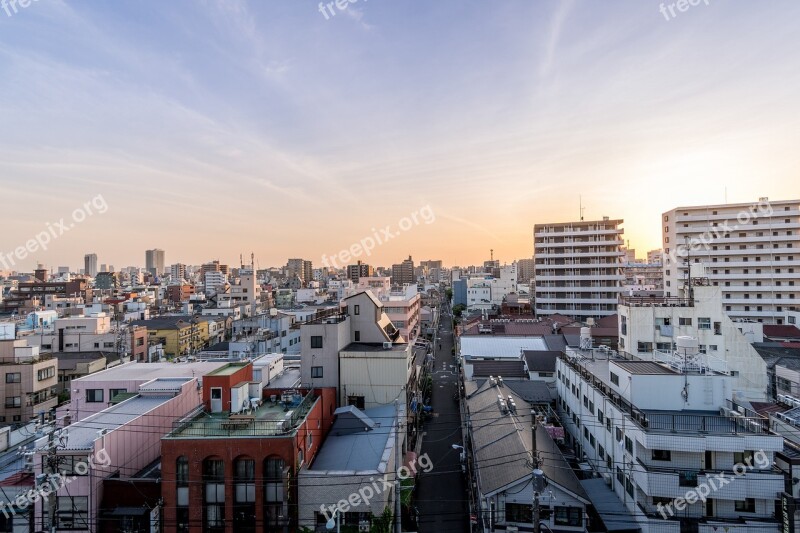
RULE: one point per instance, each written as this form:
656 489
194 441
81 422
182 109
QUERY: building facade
752 251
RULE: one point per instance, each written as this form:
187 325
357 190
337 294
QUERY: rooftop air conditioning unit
387 345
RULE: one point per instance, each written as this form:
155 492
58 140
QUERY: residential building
232 469
90 265
30 384
752 251
93 393
655 256
505 443
360 448
154 261
650 327
177 272
120 440
403 272
360 353
81 333
655 431
301 269
106 281
214 281
526 270
578 267
359 270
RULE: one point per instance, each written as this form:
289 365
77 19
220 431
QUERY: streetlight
336 520
462 456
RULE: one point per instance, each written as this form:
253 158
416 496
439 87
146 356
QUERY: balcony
655 301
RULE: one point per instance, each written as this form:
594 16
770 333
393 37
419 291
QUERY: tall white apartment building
752 251
578 267
658 433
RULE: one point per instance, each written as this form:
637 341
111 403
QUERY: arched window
244 503
182 493
214 495
274 494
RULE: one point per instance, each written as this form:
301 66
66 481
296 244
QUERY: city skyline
236 117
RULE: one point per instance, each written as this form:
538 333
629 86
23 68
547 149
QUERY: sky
214 128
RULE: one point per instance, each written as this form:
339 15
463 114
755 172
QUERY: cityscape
372 267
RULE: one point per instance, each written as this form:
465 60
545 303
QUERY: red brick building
228 472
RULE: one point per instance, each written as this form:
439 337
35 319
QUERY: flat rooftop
227 370
268 420
148 371
374 347
644 368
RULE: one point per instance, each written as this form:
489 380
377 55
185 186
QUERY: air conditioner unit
363 526
387 345
782 399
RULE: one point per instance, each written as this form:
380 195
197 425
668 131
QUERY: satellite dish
330 524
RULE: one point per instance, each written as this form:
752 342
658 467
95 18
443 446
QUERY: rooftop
374 347
148 371
357 441
491 346
267 420
644 368
227 370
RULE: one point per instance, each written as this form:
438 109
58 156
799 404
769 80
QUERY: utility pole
537 480
397 459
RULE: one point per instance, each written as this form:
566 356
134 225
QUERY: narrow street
442 493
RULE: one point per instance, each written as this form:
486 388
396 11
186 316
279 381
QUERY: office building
403 273
90 265
154 261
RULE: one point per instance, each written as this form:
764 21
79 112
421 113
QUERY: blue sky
214 128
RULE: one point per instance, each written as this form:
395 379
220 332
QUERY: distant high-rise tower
90 264
154 261
403 273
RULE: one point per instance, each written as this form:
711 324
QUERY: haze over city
223 127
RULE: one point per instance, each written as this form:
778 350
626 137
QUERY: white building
214 282
752 251
655 433
578 267
650 326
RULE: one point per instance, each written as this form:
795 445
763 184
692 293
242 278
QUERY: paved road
441 495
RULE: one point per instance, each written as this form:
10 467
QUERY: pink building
121 439
93 393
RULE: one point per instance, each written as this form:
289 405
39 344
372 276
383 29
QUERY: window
13 377
517 512
743 458
46 373
568 516
94 395
114 392
682 321
273 489
244 497
13 402
316 341
600 416
316 371
73 512
703 323
628 445
357 336
662 455
214 495
357 401
747 505
614 379
644 346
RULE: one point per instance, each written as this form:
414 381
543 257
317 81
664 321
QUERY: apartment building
359 270
656 431
90 265
401 303
649 328
30 381
526 270
578 267
120 440
154 261
752 251
226 468
403 272
360 353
